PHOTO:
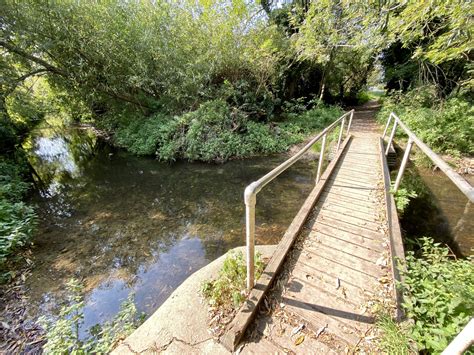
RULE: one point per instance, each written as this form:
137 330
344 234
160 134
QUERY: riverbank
180 325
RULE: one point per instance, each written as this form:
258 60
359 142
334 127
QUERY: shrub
403 197
446 126
217 131
17 219
438 295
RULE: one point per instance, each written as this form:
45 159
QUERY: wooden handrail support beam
236 328
457 179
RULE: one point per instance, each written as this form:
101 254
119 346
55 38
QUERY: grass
394 339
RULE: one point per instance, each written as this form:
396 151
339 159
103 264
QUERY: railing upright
403 165
392 135
321 158
340 133
457 179
350 122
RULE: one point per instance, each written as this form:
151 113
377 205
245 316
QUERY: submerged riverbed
121 223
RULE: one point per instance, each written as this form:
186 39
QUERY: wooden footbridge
336 262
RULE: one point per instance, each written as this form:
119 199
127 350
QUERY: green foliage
402 198
446 126
394 338
228 290
17 219
438 295
63 334
217 131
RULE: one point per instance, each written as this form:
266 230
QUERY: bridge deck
339 263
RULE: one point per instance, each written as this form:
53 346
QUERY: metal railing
465 338
457 179
251 191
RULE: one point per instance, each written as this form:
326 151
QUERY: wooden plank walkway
339 264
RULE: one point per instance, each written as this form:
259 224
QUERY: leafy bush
402 198
217 131
446 126
17 219
438 295
228 290
63 334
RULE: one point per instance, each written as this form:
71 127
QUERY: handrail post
250 203
321 159
340 134
403 165
387 125
392 134
350 122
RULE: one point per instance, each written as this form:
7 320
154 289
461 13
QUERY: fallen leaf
299 340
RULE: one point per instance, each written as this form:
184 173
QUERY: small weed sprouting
228 290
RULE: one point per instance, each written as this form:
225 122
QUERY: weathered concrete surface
180 325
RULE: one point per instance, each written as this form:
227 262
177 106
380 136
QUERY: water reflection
444 214
121 223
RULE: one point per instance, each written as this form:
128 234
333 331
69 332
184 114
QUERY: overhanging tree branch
49 67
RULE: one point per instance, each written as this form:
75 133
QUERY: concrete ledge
180 325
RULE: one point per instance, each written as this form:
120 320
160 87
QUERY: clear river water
121 223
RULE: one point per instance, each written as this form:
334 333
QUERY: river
122 224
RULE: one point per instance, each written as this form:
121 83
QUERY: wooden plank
356 171
280 335
349 247
315 320
347 198
350 228
362 241
328 281
367 178
353 187
356 194
347 209
324 300
357 222
344 258
340 319
340 180
236 328
318 261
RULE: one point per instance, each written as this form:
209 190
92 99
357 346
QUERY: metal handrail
251 191
457 179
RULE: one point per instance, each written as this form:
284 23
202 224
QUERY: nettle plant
438 295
